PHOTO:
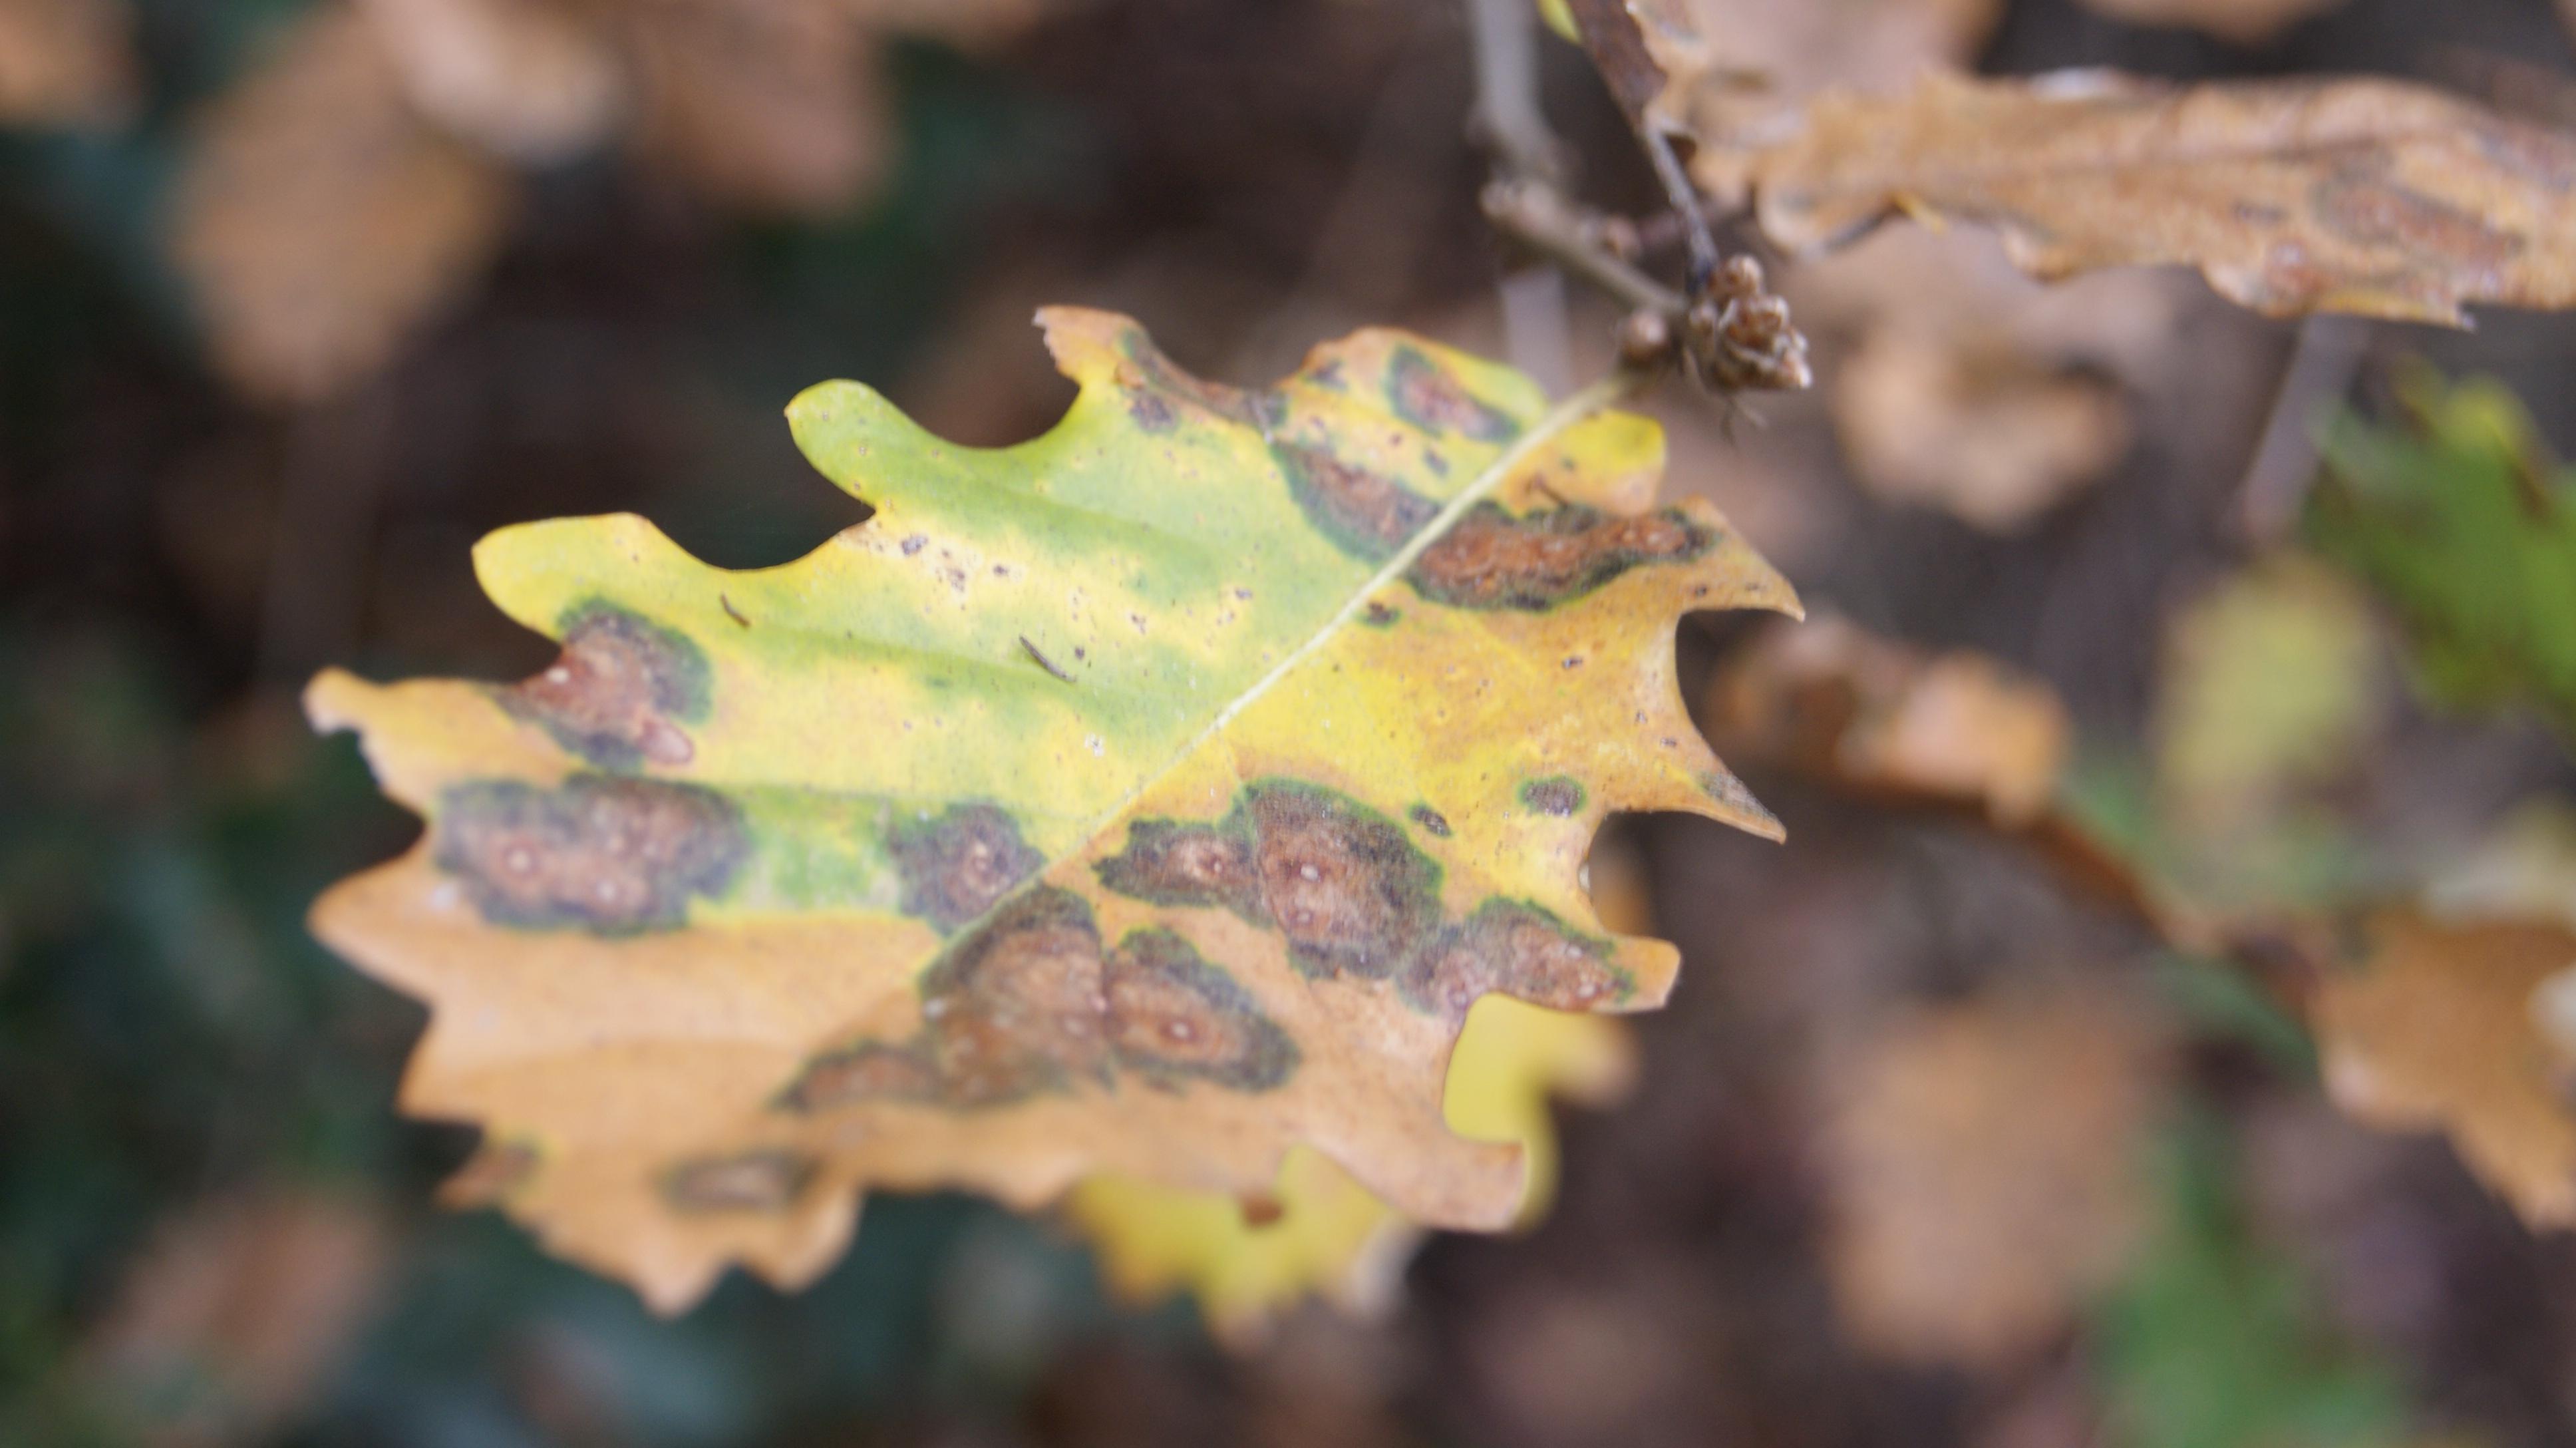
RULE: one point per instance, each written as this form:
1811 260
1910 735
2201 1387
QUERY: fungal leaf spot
1423 393
957 866
619 691
603 853
1558 794
1535 561
1029 1005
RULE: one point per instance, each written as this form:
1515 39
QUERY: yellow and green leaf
1148 799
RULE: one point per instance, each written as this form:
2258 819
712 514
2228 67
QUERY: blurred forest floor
1928 1149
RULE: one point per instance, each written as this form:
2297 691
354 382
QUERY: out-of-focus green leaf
2461 520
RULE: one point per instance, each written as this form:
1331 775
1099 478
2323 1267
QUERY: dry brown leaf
320 222
1987 433
1731 74
2432 1027
1985 1165
1832 699
534 80
2239 22
1958 382
227 1320
65 62
768 104
2365 196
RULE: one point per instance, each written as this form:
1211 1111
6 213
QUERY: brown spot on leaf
1492 559
1430 819
1028 1005
1152 412
1367 514
1344 883
1519 950
756 1181
1173 1017
2377 212
617 693
1558 794
1423 393
608 854
956 866
1151 374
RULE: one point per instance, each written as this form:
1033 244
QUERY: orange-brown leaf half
2368 196
1147 799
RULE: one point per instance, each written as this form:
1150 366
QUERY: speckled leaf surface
1146 799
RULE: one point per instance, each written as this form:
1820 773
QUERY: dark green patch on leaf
955 867
1423 393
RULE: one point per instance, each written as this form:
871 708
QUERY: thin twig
1685 201
1533 214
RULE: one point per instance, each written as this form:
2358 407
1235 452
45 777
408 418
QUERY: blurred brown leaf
1985 1166
767 104
65 62
1984 430
1957 381
320 221
1834 700
2431 1027
2365 196
227 1320
2239 22
534 80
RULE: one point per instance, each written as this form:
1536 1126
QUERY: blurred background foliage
1936 1144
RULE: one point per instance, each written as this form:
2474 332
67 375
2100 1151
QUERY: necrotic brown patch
1492 559
608 854
1342 882
618 693
1558 794
954 867
1028 1005
1150 374
1174 1017
1517 949
1365 513
1423 393
756 1181
1430 819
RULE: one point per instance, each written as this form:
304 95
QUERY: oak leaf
1147 799
2369 196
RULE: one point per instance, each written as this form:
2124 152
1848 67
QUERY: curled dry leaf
319 221
2431 1025
1985 1165
1732 74
230 1316
1317 1230
65 62
1875 714
535 80
2239 22
2368 196
1146 800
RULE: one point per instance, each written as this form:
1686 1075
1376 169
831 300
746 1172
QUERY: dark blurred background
290 315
